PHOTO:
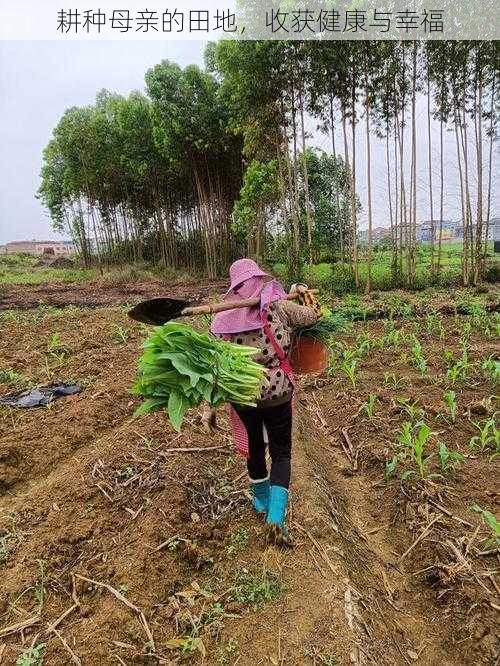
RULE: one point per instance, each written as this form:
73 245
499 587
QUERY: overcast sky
39 80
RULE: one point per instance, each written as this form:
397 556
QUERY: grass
338 277
256 590
22 269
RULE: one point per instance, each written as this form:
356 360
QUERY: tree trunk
490 164
337 194
431 200
368 285
353 176
478 273
307 201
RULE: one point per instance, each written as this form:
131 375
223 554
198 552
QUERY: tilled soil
92 294
90 497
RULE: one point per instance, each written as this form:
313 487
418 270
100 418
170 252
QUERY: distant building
39 248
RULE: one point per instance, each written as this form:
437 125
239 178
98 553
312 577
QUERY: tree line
213 163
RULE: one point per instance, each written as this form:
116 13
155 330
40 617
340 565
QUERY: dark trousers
278 422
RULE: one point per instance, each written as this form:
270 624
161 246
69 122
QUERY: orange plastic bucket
308 355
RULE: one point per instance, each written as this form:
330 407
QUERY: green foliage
450 398
370 405
448 459
434 325
391 380
32 656
412 443
457 370
410 408
239 540
491 368
322 330
7 376
256 590
488 438
258 195
419 359
180 369
349 368
492 523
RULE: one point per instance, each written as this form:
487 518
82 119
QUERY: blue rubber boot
276 530
260 496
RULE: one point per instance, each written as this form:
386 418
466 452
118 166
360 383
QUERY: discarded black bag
40 396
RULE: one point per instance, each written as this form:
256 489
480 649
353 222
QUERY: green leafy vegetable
322 329
181 368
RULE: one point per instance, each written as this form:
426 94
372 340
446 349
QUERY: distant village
451 232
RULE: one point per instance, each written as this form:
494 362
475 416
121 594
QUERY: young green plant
370 405
492 523
450 397
488 438
448 459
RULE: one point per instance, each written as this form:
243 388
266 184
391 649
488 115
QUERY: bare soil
91 294
91 497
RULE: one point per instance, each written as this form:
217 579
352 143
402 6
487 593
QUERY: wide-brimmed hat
244 269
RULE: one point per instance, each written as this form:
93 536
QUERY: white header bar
248 19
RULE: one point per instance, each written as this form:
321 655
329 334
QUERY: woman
268 328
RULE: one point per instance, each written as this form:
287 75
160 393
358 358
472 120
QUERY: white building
39 248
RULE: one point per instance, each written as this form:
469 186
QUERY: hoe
158 311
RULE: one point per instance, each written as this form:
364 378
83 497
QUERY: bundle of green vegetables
322 329
181 368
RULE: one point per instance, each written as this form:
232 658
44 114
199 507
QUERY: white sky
39 80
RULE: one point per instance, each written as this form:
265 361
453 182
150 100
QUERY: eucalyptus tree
190 128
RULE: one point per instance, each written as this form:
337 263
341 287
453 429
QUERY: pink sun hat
244 269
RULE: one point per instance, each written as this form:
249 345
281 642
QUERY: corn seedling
411 442
348 367
392 464
492 523
458 370
433 324
419 360
417 452
410 408
393 338
447 458
392 381
450 399
399 308
488 438
370 405
489 366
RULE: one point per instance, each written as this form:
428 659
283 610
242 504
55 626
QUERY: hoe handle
212 308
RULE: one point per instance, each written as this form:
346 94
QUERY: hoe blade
158 311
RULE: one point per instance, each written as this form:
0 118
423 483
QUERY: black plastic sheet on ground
40 396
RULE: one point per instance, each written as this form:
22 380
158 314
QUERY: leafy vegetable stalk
181 368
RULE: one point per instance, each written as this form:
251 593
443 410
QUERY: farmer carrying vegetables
267 327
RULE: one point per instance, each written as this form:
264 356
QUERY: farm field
122 541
